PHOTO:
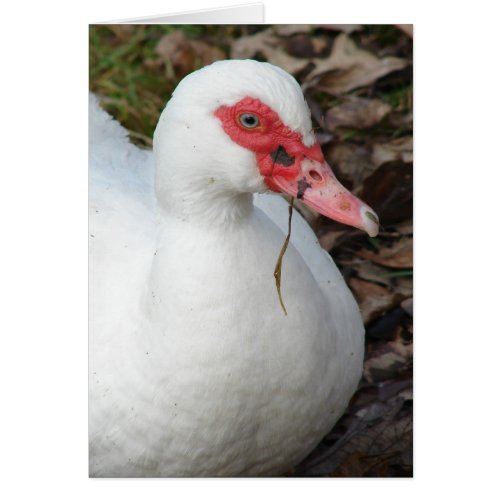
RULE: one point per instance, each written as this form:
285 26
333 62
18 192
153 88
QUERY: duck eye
249 120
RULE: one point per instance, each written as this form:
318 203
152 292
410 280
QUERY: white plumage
194 368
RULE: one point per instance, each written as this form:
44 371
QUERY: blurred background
358 82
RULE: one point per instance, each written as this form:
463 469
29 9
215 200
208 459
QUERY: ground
358 83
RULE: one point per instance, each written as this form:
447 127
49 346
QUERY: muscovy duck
195 369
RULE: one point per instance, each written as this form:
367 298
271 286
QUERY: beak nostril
315 175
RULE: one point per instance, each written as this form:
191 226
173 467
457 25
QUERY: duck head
241 126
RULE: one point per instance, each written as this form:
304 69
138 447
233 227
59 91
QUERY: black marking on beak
302 185
281 157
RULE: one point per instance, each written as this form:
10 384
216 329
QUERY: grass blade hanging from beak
277 269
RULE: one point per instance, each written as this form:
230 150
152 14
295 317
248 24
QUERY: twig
277 269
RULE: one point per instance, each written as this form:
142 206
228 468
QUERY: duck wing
122 223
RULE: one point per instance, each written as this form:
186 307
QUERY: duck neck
208 249
206 204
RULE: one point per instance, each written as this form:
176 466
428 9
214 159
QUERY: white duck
195 370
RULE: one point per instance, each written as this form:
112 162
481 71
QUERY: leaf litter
357 81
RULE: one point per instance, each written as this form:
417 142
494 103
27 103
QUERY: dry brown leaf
357 112
407 29
404 228
168 44
268 44
371 272
374 300
352 160
403 285
400 149
398 256
307 46
402 121
349 67
371 452
184 54
123 32
389 191
388 360
331 239
317 111
407 305
206 53
292 29
174 49
374 436
346 28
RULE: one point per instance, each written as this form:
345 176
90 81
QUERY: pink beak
318 188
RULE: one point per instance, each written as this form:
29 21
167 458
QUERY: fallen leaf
369 271
357 112
407 29
123 32
353 161
387 326
292 29
374 438
372 452
186 55
374 300
401 121
346 68
388 359
206 53
400 149
349 67
403 285
270 46
308 46
399 255
317 111
331 239
407 305
345 28
389 191
399 387
404 228
173 49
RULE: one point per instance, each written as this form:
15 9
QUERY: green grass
399 98
126 74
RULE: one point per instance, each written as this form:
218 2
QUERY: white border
43 206
238 14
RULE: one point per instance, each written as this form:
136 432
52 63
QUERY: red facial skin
264 139
295 169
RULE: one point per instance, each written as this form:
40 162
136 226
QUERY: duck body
195 370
